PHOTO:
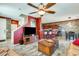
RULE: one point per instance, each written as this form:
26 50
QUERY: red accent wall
38 27
18 34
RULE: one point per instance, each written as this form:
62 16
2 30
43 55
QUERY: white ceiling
63 11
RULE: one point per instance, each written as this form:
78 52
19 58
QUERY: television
29 30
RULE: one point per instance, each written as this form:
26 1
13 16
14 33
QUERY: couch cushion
76 42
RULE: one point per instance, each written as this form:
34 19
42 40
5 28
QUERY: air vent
22 15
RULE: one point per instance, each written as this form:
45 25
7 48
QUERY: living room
39 29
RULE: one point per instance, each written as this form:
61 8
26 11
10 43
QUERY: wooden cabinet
46 47
53 26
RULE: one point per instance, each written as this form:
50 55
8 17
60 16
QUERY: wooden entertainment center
26 39
29 34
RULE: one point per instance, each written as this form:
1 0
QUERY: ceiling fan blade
49 5
33 12
32 5
50 11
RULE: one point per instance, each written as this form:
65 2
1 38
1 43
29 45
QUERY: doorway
2 29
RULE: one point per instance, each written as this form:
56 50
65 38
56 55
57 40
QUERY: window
33 23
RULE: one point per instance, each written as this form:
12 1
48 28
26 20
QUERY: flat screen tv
29 30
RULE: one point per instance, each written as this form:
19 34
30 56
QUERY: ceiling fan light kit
41 12
42 9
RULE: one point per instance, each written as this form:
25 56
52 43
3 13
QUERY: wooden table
46 47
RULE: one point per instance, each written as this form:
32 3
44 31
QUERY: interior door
8 27
2 29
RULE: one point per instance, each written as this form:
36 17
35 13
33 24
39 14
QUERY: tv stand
26 39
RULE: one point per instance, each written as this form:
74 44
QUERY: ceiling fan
42 9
